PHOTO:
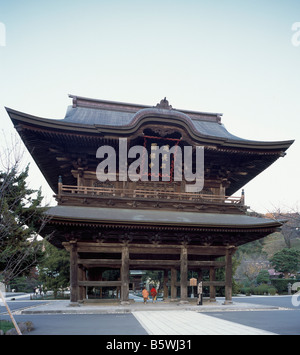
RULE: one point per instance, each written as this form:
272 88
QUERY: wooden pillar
183 274
212 288
228 276
82 289
173 284
73 273
125 275
166 279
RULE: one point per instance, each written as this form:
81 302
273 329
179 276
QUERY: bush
259 290
272 291
246 291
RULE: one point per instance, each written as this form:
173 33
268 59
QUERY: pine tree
21 220
54 269
286 260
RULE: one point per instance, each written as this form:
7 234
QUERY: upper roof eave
18 117
58 124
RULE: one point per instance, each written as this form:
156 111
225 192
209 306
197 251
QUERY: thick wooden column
212 288
125 275
166 279
228 276
183 274
173 284
82 289
73 273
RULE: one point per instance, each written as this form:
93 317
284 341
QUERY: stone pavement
191 323
164 318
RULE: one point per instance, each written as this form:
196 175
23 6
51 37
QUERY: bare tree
250 265
291 227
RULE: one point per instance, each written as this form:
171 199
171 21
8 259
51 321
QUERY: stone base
173 300
124 303
183 302
227 302
74 304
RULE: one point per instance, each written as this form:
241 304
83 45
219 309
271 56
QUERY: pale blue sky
233 57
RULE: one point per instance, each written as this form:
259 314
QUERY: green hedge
281 285
264 289
259 290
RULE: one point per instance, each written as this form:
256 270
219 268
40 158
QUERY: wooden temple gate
155 225
79 281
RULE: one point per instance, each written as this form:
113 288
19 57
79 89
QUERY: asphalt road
16 305
82 324
285 321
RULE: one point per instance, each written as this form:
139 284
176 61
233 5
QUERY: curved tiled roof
109 113
92 116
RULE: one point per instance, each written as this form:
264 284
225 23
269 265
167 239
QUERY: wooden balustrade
147 194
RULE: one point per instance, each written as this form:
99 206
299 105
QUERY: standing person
153 294
145 294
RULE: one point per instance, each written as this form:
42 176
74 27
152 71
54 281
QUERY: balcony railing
147 194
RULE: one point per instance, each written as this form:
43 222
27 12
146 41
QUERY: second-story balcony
143 198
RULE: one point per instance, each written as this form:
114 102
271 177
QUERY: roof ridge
80 101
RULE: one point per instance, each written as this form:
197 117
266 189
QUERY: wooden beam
98 248
99 283
153 250
149 263
206 250
138 248
171 263
100 262
217 264
205 283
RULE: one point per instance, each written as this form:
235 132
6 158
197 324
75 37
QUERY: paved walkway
98 308
191 323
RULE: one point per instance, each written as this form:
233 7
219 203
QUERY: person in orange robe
145 294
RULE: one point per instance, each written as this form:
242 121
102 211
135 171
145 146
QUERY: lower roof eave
96 216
